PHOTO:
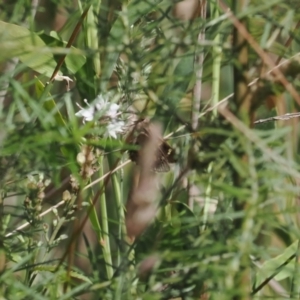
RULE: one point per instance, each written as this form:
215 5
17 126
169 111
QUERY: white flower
113 110
108 109
101 105
113 128
86 113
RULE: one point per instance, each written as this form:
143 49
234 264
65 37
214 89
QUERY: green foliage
78 220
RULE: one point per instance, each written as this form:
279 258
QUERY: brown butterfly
139 136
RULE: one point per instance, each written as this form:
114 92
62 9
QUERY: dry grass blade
267 60
250 134
63 201
284 117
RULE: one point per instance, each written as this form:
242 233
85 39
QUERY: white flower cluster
102 108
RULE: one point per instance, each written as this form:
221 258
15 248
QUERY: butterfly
164 155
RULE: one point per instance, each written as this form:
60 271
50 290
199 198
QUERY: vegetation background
219 80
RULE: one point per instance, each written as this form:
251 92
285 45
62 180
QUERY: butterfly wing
164 155
161 165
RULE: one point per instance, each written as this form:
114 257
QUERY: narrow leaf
18 41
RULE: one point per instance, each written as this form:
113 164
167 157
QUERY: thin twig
81 225
62 202
268 279
284 117
70 43
244 32
224 100
40 215
276 286
107 174
288 42
251 135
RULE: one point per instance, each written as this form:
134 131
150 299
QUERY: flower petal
113 128
113 110
87 113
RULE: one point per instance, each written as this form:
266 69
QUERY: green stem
208 201
122 232
105 242
216 71
216 67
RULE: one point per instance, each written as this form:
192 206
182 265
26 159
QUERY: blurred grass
239 239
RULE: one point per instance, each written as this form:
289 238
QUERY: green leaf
181 79
74 60
49 105
188 220
136 9
18 41
272 266
69 151
52 269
